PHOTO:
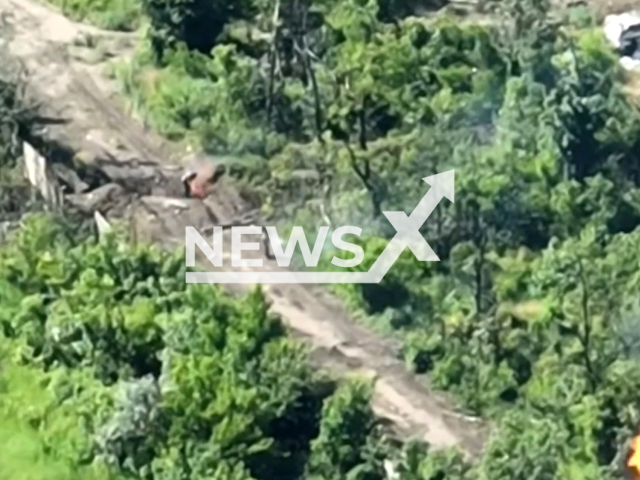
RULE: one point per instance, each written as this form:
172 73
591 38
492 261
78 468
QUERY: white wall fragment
101 223
41 177
614 27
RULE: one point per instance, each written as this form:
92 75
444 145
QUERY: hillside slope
94 127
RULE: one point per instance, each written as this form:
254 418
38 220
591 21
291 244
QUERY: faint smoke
628 332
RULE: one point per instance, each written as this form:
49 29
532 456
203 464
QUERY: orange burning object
633 462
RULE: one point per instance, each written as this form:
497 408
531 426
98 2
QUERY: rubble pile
623 32
150 197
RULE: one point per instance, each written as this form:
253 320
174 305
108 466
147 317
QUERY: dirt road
76 90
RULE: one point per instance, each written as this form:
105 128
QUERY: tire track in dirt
39 36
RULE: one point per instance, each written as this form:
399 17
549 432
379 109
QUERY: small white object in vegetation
102 223
614 27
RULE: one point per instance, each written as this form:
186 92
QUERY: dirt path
77 91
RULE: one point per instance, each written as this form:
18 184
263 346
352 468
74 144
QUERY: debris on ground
149 194
101 223
41 176
623 32
200 178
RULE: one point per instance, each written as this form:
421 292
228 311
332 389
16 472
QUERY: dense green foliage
339 107
111 363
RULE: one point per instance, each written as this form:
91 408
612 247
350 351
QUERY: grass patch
119 15
198 99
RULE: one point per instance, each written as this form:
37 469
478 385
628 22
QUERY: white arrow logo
408 228
407 235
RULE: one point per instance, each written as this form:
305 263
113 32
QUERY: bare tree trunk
362 120
364 174
303 52
273 58
324 209
585 337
